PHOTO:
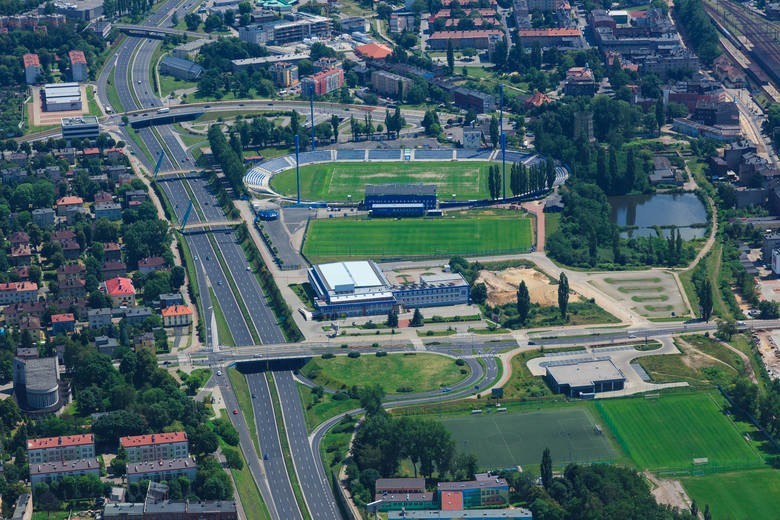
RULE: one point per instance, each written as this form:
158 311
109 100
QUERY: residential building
579 82
36 383
180 68
162 470
284 74
112 252
21 254
51 471
121 291
303 26
136 315
469 99
63 448
99 318
144 341
545 5
101 27
551 37
176 316
169 299
78 66
43 217
112 269
82 127
482 39
323 83
63 323
18 292
352 24
402 20
389 84
150 264
60 97
106 345
259 34
154 447
189 50
109 210
326 63
71 249
32 68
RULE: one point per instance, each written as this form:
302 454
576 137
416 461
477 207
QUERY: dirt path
537 208
710 240
745 360
670 492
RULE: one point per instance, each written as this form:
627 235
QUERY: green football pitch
745 495
336 181
511 439
334 239
672 430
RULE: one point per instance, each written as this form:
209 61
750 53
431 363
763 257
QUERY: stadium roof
585 373
349 275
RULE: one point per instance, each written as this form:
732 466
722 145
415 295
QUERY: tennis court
510 439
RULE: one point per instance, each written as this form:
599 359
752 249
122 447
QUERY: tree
203 440
563 294
726 329
371 399
694 509
523 302
707 514
417 319
335 121
450 57
233 458
495 132
705 299
545 469
479 293
177 277
392 318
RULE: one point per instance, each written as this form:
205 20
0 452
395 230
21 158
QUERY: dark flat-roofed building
399 485
404 501
180 68
50 471
586 376
424 194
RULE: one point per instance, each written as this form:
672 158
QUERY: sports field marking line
503 438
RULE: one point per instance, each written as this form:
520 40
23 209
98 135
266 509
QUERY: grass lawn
552 221
241 388
738 496
94 109
170 84
254 507
334 181
523 384
223 330
418 373
672 430
388 238
509 439
327 407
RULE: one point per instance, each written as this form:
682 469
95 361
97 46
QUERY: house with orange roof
120 290
68 202
176 316
18 292
157 446
63 323
63 448
32 68
537 100
374 51
21 254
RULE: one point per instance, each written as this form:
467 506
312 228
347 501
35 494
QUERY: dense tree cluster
698 29
536 178
230 161
220 78
134 8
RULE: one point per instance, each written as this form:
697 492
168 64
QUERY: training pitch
669 432
744 495
336 181
334 239
511 439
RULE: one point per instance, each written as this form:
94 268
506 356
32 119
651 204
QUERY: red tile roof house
120 290
111 251
176 316
63 234
63 323
21 254
19 238
103 196
113 269
64 203
71 249
152 263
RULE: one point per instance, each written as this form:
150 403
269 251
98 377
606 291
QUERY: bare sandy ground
502 286
38 117
669 492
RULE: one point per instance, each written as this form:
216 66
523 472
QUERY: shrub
460 362
328 355
381 353
353 355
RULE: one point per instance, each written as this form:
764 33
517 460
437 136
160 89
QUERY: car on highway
139 81
219 282
253 396
235 411
219 372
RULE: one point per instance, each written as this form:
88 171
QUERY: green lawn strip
113 95
668 432
327 407
668 368
305 293
241 389
743 495
129 75
552 222
234 289
169 84
139 142
334 181
413 238
288 462
94 109
395 373
522 384
711 263
251 500
223 329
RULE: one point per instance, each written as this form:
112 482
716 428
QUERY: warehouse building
180 69
62 96
585 377
84 127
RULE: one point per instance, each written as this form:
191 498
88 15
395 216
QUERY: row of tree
229 159
536 178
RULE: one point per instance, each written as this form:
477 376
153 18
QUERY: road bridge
195 226
159 32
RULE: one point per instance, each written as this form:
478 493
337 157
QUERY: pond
640 213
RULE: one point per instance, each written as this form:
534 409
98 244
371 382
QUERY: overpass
159 32
195 226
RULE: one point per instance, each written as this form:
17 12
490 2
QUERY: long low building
583 378
162 470
60 97
360 288
84 127
51 471
518 513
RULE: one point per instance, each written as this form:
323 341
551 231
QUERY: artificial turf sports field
334 239
511 439
745 495
334 181
669 432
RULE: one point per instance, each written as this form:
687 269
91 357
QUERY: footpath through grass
334 181
745 495
466 235
668 432
395 373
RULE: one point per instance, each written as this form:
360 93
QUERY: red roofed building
65 203
57 449
549 37
176 316
78 66
32 68
21 254
92 152
157 446
374 51
120 290
62 323
323 82
18 292
476 39
537 100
